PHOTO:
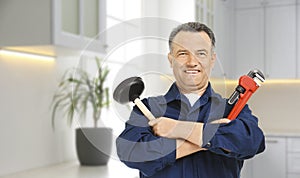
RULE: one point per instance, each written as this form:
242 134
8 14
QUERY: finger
221 121
155 131
224 121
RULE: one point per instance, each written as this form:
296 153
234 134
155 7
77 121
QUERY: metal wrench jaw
235 95
257 76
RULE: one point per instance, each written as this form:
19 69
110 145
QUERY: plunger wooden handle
144 109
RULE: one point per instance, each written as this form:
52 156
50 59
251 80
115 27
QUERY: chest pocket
158 106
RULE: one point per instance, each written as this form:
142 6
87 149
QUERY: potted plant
78 91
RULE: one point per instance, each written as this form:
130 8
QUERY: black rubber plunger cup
130 90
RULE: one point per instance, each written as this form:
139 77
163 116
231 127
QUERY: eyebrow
202 50
197 51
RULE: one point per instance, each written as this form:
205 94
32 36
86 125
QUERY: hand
174 129
165 127
185 148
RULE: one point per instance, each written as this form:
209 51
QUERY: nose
192 61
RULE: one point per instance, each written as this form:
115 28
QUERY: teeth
192 71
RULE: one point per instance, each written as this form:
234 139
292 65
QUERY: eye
182 53
202 54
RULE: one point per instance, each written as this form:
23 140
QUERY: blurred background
41 39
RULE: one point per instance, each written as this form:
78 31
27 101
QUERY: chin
193 81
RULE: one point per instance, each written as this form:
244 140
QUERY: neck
193 89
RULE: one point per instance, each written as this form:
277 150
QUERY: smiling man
192 58
191 137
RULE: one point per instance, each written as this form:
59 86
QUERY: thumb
153 122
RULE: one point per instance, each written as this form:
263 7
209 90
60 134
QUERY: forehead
192 40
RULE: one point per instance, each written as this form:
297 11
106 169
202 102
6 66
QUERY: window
205 12
119 15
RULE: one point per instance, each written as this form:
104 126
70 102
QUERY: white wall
27 139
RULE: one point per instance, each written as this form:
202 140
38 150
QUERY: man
191 136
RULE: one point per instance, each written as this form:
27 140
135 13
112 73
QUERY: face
192 59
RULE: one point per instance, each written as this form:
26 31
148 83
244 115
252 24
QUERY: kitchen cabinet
281 159
280 39
47 26
293 157
266 37
224 15
258 3
270 163
249 49
247 170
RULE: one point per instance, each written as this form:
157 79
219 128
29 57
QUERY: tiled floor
114 169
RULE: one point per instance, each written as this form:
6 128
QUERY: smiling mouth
192 72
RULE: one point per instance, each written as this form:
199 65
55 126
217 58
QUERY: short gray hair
192 27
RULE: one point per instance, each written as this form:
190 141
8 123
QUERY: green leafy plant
77 91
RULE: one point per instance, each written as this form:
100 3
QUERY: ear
213 59
170 58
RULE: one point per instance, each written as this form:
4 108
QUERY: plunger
130 90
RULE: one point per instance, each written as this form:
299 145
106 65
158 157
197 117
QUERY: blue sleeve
138 148
241 138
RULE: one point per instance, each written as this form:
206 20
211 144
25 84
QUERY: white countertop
282 133
114 169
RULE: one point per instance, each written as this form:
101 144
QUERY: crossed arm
188 134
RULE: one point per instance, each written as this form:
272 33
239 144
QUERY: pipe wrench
248 84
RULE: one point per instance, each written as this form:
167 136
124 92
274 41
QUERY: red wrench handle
250 87
239 106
